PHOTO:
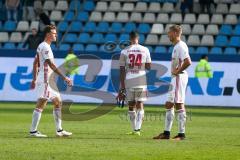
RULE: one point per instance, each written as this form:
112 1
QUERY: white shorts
178 87
136 94
45 91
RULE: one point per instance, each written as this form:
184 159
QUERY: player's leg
169 117
132 115
140 97
57 114
36 116
140 115
181 121
181 111
169 106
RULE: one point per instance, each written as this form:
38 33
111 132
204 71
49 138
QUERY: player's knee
179 106
131 105
139 104
57 102
169 105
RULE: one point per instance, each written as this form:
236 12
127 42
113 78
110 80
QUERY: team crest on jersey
46 52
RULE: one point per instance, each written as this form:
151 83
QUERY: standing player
43 66
176 97
134 60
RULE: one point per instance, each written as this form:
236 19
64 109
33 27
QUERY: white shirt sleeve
183 51
45 52
122 59
148 59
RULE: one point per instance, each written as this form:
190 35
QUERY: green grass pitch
212 134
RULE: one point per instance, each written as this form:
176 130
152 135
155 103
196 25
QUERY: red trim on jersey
45 91
176 89
38 61
45 72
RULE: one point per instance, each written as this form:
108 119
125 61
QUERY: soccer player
134 60
43 66
176 96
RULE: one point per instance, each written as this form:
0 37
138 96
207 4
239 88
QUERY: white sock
35 119
132 116
57 117
169 119
139 120
181 120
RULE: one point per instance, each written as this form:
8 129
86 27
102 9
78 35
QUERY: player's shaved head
134 37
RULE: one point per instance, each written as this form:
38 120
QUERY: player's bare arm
56 70
35 68
186 63
148 66
122 76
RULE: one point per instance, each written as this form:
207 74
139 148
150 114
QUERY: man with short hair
43 67
179 79
134 61
203 68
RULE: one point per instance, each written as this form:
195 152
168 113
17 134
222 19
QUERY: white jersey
180 52
44 52
133 58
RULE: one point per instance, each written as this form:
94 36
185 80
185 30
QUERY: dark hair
133 35
48 29
203 56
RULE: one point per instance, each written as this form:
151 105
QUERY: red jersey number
135 60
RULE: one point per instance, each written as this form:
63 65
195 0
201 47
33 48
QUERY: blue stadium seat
150 48
116 27
53 46
170 49
1 26
19 46
75 26
234 41
89 27
91 48
201 50
221 41
83 16
62 26
84 38
75 5
216 50
9 26
88 5
191 50
144 28
97 38
103 27
141 38
102 48
230 50
70 38
124 37
160 49
68 16
237 30
64 47
226 29
129 27
9 45
110 37
78 47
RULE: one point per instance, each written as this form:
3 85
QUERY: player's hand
68 81
175 71
33 84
